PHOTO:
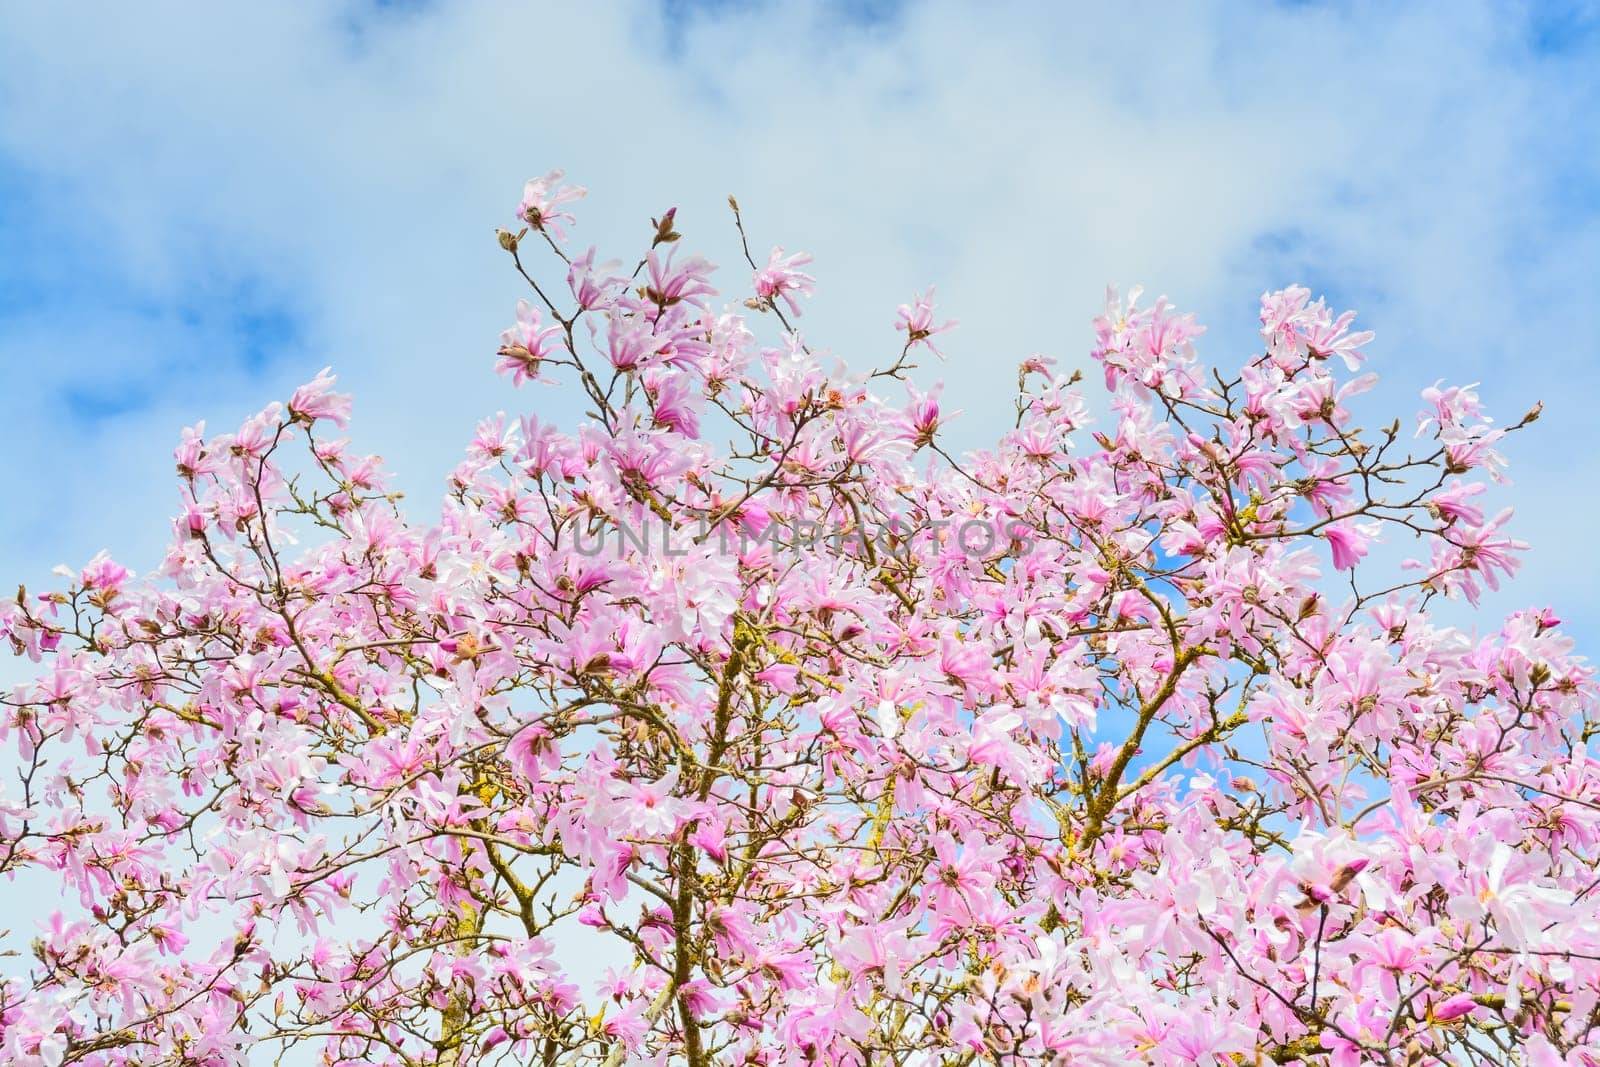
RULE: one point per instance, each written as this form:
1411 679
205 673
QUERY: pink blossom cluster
1193 779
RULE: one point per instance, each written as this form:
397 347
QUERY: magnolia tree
1101 746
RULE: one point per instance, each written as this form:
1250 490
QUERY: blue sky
199 208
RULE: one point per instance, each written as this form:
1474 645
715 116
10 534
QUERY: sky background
201 206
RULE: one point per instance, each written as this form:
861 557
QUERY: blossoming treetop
1101 746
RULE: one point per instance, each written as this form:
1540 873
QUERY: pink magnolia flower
1349 542
916 322
782 279
595 286
542 197
316 400
651 809
1523 909
1295 328
1454 1007
524 345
